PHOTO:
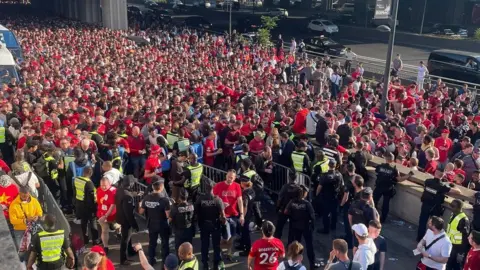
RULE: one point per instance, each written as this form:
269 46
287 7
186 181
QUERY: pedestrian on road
422 73
397 66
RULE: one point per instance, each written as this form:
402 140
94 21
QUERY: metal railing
50 206
214 174
280 176
303 179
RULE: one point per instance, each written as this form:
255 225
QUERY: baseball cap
360 229
368 191
157 179
332 162
155 149
171 262
445 131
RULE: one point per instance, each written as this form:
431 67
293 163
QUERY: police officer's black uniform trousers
387 195
330 213
281 221
427 210
346 224
183 235
153 233
307 233
208 229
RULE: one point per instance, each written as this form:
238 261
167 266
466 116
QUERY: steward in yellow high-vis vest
49 248
84 193
182 144
300 159
457 231
193 177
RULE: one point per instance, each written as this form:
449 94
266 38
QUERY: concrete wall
8 251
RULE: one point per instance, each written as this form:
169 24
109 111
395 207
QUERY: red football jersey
104 200
267 252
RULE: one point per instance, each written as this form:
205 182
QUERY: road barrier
214 174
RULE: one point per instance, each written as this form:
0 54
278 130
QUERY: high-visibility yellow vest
196 176
123 136
67 160
51 245
183 145
94 133
171 139
53 173
190 264
2 134
119 159
249 174
241 157
455 236
323 165
80 183
292 137
297 158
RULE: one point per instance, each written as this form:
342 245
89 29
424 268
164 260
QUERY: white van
8 66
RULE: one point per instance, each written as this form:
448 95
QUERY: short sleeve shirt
441 248
229 195
266 253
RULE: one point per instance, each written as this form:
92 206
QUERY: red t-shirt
473 260
152 165
408 102
266 253
443 146
209 147
256 145
229 195
299 126
105 199
431 167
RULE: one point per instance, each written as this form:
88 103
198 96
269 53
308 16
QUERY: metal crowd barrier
280 176
140 190
50 206
214 174
303 179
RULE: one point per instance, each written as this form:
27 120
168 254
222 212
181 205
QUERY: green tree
477 34
264 33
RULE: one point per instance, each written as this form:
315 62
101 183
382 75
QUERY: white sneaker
77 221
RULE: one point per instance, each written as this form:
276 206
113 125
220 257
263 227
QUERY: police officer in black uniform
329 188
432 200
209 214
351 192
156 207
387 178
362 211
302 222
181 219
288 192
252 208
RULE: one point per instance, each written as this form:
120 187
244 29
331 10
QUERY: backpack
40 167
258 185
291 267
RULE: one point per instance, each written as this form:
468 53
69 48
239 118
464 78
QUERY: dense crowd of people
95 113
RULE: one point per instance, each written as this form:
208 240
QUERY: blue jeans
18 235
233 227
137 163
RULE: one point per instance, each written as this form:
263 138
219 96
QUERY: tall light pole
230 2
391 42
423 16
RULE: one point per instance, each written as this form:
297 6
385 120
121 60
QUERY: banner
383 9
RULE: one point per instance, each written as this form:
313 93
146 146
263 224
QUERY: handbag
420 265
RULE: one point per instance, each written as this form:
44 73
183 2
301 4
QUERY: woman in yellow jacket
23 209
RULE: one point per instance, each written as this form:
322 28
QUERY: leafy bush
477 34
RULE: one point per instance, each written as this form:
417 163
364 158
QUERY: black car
324 45
164 14
459 65
249 24
198 22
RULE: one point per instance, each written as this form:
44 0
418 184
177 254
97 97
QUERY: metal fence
280 176
214 174
50 206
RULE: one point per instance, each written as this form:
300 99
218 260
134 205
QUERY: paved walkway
400 243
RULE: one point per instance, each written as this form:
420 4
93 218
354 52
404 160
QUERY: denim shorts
233 227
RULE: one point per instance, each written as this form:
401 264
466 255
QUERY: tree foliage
264 33
477 34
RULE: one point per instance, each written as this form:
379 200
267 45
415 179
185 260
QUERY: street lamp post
391 42
423 16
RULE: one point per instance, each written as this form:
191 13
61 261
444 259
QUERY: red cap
65 123
155 150
74 121
98 249
446 131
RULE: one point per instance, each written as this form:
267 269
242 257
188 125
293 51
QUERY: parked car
322 44
248 24
251 37
346 8
180 8
150 4
198 22
323 26
279 12
459 65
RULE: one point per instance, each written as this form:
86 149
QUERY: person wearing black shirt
353 184
329 189
360 159
252 209
287 193
156 207
374 229
361 211
209 214
432 199
125 217
345 132
181 219
302 219
387 177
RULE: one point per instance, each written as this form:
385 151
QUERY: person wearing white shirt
365 254
350 56
356 84
111 173
335 80
293 46
422 72
435 247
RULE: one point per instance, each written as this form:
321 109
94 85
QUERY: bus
8 66
8 39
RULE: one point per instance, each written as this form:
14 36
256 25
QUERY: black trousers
307 233
426 211
245 240
387 196
126 242
282 219
205 233
452 263
346 225
330 214
182 236
89 220
153 234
